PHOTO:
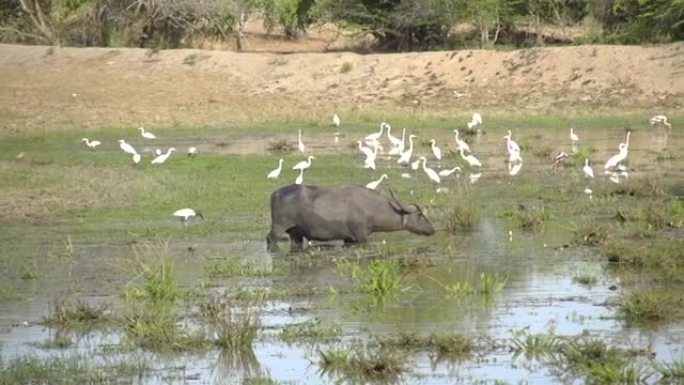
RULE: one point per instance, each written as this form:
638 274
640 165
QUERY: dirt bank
45 87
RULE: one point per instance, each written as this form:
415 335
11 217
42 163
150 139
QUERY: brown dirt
49 88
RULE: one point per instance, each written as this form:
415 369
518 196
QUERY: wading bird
91 143
415 164
430 172
192 152
394 141
162 158
300 177
460 143
374 184
436 152
300 144
511 145
136 158
367 151
660 119
127 148
369 162
276 173
186 214
336 120
336 137
303 165
449 172
475 120
573 136
470 159
374 137
558 159
158 152
617 158
588 172
406 155
146 134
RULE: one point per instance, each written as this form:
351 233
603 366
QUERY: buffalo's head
412 218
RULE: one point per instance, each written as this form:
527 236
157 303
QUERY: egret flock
370 147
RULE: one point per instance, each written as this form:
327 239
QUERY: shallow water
540 293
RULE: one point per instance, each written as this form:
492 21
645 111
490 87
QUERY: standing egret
375 136
336 120
430 172
394 141
304 164
369 162
185 214
475 120
398 145
300 177
136 158
460 143
146 134
127 148
300 144
436 152
158 152
374 184
449 172
162 158
276 173
573 136
91 143
192 152
514 167
617 158
406 155
365 150
511 145
471 159
660 119
588 172
474 177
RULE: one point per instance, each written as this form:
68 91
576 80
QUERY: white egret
449 172
136 158
573 136
617 158
514 167
365 150
336 137
475 120
300 144
460 143
304 164
146 134
511 145
660 119
588 172
514 157
127 148
336 120
276 173
369 162
436 152
588 191
162 158
192 152
399 146
374 184
394 141
471 159
415 164
430 172
158 152
406 155
300 177
474 177
375 136
91 143
185 214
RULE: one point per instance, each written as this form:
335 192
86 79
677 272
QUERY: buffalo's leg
273 236
296 238
359 233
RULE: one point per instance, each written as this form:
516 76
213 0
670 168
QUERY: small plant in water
463 214
234 267
452 346
538 346
491 284
648 307
235 328
280 147
364 364
64 313
380 278
310 330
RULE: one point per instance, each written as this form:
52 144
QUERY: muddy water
540 294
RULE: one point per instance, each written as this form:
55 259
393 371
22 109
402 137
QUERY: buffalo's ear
397 205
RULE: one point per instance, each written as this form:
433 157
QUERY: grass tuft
280 147
452 346
363 364
650 307
310 330
380 278
72 314
233 267
235 328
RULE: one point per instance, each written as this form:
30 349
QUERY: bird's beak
200 215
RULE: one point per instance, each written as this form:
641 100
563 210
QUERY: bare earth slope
45 87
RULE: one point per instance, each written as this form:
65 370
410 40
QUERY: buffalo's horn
400 207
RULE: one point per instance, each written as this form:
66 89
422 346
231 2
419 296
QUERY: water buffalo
348 213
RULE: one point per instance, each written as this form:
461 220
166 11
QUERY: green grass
75 314
363 364
232 266
312 330
452 346
651 307
380 278
235 327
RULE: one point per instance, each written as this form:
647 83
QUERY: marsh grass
592 232
644 186
490 284
280 147
380 278
75 314
671 370
312 330
445 346
60 341
155 276
585 278
650 307
70 370
541 346
235 328
531 218
599 363
363 364
576 159
234 267
659 253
